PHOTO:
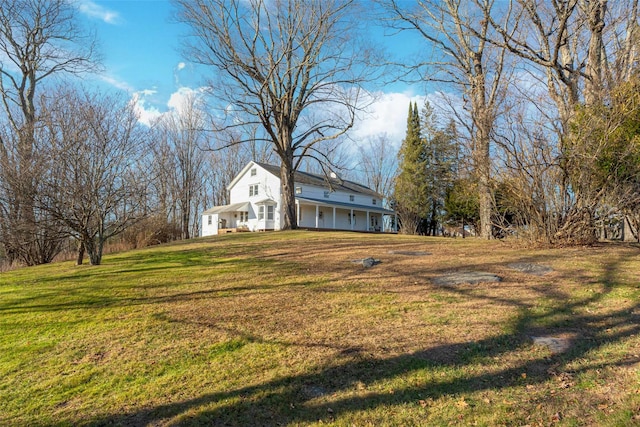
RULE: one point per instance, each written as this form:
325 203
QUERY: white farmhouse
321 203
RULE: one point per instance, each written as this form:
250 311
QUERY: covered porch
321 214
227 218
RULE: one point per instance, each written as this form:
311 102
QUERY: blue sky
140 49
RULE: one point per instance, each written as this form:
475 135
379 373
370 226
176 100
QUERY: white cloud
93 10
120 84
181 65
146 114
386 115
178 100
182 97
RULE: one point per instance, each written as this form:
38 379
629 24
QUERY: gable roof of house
335 184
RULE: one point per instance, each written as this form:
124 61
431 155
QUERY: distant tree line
76 165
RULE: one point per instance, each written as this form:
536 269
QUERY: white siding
263 188
268 188
210 229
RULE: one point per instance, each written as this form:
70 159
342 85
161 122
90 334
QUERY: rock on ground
466 277
531 268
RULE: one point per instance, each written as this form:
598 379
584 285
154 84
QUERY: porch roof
346 205
267 202
235 207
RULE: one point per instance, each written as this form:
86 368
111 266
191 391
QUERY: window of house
352 197
261 212
374 201
254 172
326 194
270 213
244 216
209 220
298 190
253 190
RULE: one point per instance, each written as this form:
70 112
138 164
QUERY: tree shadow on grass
353 385
294 399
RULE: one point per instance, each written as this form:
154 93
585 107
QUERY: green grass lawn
283 329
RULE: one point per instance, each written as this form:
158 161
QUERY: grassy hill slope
283 329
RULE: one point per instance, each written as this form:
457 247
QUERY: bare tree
293 67
584 49
94 184
180 143
625 42
528 172
377 164
457 30
38 39
554 35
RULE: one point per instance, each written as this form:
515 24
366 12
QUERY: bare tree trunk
482 161
94 250
288 197
80 257
595 11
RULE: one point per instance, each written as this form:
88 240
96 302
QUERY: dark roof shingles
322 181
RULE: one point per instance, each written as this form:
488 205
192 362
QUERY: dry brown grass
283 329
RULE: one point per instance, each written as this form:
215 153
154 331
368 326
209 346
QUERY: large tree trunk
80 253
186 214
596 10
94 250
483 120
483 172
287 187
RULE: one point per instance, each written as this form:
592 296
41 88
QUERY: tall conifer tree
411 189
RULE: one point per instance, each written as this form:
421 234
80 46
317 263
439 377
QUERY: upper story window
374 201
254 172
298 190
326 194
253 190
352 197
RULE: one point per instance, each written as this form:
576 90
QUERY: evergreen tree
427 164
411 187
461 204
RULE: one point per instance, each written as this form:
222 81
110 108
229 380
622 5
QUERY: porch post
317 216
352 219
367 225
298 212
334 217
395 222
